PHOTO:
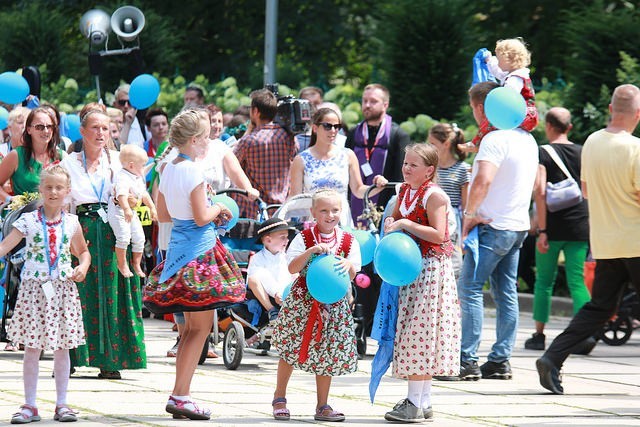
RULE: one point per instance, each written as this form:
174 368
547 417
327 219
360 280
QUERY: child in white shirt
129 184
268 270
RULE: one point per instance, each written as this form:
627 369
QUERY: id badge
47 288
366 169
103 215
54 274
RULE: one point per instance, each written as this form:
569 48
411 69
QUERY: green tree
427 53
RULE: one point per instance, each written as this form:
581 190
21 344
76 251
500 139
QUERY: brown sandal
280 414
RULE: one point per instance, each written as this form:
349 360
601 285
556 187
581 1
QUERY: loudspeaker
95 25
127 22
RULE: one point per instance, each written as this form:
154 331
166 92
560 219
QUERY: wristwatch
468 214
540 231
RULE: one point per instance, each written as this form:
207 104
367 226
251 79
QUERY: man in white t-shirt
132 132
503 177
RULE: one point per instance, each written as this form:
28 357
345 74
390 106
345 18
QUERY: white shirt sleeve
296 247
494 69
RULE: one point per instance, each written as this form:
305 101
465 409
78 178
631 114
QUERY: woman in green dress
40 149
112 305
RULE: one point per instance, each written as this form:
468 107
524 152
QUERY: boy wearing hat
268 270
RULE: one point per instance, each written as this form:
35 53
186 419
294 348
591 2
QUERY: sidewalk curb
560 306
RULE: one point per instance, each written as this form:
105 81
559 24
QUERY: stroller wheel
618 331
233 346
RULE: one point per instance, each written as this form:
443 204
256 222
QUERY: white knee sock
61 368
425 401
415 392
30 371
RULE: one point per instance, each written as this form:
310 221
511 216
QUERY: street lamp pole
270 41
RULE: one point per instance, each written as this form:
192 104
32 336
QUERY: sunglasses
123 102
40 128
329 126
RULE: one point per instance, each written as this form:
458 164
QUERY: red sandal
280 414
23 417
187 408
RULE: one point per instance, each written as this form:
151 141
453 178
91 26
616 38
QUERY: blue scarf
188 242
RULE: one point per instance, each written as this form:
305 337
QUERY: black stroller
618 330
14 263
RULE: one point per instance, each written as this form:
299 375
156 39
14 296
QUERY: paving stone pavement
602 389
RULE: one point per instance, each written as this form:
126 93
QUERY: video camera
293 114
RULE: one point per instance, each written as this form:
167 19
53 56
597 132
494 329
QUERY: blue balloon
397 259
505 108
367 245
144 91
325 283
13 88
231 205
286 291
4 118
73 127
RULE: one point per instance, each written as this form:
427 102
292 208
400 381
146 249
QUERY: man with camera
265 154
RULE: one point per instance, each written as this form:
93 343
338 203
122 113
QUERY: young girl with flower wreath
311 336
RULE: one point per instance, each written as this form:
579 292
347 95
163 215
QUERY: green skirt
111 304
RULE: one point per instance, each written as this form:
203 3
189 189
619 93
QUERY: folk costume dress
315 337
199 273
427 340
111 303
53 323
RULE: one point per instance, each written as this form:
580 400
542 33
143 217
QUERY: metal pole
98 89
270 41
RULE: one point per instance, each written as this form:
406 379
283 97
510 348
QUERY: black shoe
584 347
536 342
496 370
447 378
549 375
469 371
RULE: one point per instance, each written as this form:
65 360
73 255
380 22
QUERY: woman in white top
111 303
325 165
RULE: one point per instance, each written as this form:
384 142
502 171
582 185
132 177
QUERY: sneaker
406 412
469 371
496 370
273 314
549 375
173 351
536 342
427 413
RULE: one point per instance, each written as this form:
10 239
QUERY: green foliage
426 55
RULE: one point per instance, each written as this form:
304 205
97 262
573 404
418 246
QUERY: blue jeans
498 263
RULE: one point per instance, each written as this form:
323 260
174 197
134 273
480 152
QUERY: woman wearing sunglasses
39 149
326 165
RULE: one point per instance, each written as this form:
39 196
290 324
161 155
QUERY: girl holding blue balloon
314 330
198 273
427 340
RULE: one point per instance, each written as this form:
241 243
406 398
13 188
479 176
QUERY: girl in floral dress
48 315
311 336
198 272
427 340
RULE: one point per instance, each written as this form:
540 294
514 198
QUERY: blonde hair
55 170
187 124
427 153
114 113
445 132
18 112
132 153
515 53
325 193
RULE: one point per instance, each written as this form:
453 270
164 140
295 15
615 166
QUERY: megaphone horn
94 25
127 22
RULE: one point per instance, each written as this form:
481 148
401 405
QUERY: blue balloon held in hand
326 283
367 243
13 88
397 259
4 118
231 205
505 108
144 91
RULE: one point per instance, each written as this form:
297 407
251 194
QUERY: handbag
563 194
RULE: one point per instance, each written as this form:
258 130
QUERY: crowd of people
95 191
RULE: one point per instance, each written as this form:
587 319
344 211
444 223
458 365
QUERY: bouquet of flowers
21 200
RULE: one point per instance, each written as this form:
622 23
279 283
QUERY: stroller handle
366 210
262 206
